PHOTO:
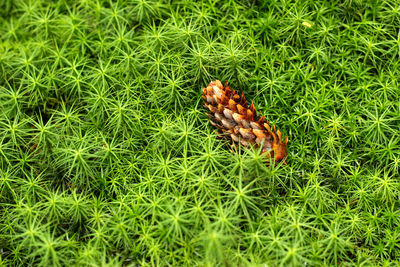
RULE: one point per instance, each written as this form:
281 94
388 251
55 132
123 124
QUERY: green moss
107 157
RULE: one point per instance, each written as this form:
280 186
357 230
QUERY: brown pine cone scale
230 112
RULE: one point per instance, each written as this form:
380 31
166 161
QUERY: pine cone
231 114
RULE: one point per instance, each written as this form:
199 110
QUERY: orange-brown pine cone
231 114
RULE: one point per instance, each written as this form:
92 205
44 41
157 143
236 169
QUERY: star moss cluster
107 157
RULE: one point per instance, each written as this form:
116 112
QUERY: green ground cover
107 158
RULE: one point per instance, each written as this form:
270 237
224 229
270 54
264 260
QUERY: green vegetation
107 157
